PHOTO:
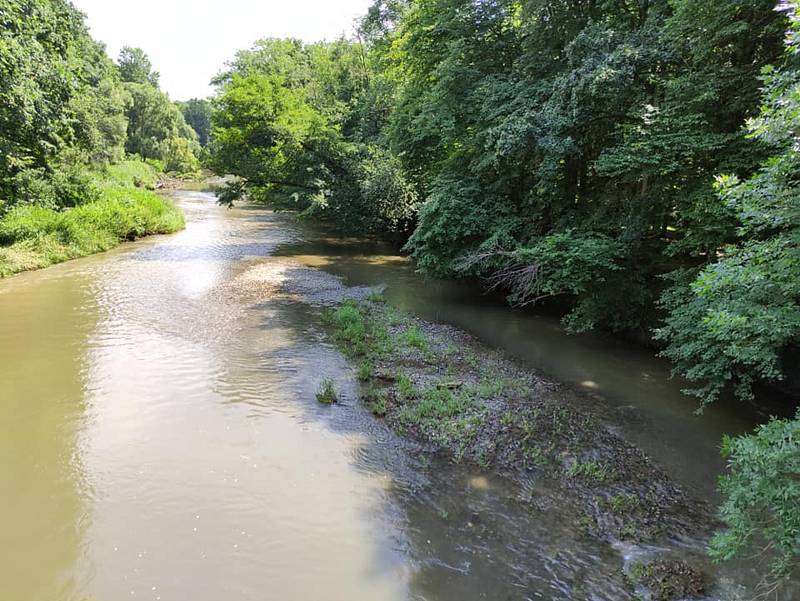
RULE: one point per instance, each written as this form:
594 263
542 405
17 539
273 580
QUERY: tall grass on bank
32 237
130 173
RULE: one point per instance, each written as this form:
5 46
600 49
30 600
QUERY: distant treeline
75 132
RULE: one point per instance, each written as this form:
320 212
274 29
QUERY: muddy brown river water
160 439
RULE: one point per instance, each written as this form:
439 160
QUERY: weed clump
326 394
589 470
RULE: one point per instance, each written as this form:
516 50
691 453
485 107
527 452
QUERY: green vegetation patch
32 237
326 394
589 470
131 173
479 407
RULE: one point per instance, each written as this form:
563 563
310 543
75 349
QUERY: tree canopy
579 153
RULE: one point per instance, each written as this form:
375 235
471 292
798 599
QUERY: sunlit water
160 439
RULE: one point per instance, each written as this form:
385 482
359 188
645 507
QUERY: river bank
444 389
121 206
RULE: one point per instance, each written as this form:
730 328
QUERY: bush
762 494
65 187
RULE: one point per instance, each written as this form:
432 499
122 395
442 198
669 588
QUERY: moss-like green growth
326 394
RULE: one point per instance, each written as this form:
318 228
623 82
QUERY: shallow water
160 439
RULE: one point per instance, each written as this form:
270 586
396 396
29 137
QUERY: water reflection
44 328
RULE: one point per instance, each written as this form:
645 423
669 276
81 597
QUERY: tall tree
135 67
197 113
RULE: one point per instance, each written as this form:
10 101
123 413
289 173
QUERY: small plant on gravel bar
590 470
327 392
364 372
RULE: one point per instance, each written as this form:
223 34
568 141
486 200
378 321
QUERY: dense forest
632 162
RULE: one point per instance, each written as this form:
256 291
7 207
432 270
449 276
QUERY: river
160 439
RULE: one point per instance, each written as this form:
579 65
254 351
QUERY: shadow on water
469 534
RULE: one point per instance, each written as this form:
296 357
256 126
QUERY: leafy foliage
565 152
34 236
197 114
135 67
734 321
157 129
61 105
762 494
285 123
67 114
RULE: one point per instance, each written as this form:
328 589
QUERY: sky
189 41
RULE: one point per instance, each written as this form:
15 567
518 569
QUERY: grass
589 470
326 394
436 405
405 388
32 237
364 371
376 399
130 174
413 336
622 503
363 333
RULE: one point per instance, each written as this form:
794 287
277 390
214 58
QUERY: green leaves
287 124
762 495
61 105
733 323
556 150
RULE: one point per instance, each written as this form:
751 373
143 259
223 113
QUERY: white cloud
189 41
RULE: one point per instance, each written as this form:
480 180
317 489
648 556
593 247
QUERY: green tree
733 323
762 495
197 114
285 121
61 105
135 67
156 126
